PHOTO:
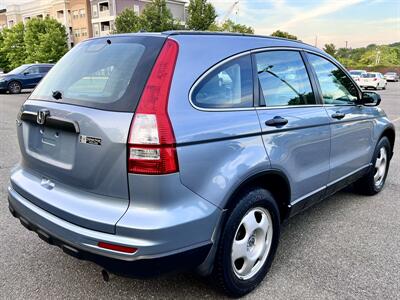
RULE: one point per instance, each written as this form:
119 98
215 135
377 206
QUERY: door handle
338 115
277 121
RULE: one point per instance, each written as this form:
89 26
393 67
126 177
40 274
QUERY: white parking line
396 120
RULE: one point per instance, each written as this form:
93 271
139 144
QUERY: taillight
151 144
375 79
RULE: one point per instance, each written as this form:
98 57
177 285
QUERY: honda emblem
41 116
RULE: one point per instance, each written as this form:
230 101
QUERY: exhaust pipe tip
106 275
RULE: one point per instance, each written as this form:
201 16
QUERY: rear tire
248 243
374 181
14 87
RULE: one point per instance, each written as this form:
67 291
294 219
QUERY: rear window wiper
57 95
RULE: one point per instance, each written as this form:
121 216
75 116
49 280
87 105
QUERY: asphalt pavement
347 247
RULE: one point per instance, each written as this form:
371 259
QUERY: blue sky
360 22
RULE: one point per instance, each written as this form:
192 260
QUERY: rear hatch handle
43 117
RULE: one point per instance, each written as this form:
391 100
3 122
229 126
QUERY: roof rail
224 33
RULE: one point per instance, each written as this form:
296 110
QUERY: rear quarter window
230 85
108 73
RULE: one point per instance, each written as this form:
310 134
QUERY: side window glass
283 79
32 70
336 87
44 69
228 86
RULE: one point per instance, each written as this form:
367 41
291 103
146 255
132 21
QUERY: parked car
356 74
145 160
391 76
373 80
23 77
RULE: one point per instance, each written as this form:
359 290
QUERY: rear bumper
152 258
139 268
368 85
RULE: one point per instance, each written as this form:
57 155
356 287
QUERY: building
104 12
75 15
57 9
80 20
3 19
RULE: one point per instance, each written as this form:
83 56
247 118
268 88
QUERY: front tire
374 181
248 243
14 87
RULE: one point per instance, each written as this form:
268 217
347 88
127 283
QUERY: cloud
387 21
325 8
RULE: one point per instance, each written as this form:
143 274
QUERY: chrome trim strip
328 185
198 80
348 175
288 106
308 195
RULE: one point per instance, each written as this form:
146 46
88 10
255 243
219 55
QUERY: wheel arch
274 180
390 133
15 80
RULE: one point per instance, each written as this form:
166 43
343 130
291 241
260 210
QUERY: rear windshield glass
356 73
369 75
108 73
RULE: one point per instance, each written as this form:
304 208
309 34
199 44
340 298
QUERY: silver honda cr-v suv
150 152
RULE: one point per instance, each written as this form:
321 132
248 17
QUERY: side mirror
370 99
26 73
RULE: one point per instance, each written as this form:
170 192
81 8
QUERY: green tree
231 26
3 55
330 49
201 15
284 34
384 54
127 21
157 17
13 46
45 40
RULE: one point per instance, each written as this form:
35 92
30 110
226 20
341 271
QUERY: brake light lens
151 144
375 79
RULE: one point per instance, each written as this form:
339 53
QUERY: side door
351 124
295 126
31 77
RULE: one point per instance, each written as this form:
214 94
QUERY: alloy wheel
15 87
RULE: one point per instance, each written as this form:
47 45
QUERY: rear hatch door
73 130
368 79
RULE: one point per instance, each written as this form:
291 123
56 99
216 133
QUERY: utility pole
346 44
316 41
378 56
